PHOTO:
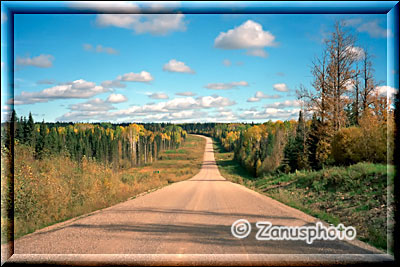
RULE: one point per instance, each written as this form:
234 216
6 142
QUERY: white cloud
177 66
75 89
42 61
250 35
95 104
182 116
116 98
269 114
99 49
253 99
143 76
371 27
281 87
160 24
260 95
356 51
106 6
226 86
214 101
117 20
257 52
222 115
113 84
284 104
165 6
227 62
349 85
184 109
385 90
76 116
156 24
187 93
158 96
176 104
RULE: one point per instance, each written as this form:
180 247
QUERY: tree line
115 145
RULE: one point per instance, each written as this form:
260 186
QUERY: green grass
229 168
180 151
355 195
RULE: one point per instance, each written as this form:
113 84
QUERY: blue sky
173 67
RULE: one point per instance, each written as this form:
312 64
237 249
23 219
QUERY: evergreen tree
300 143
29 132
296 149
41 141
313 139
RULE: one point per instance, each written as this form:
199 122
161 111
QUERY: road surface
188 217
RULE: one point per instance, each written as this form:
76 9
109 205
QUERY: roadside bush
346 145
357 144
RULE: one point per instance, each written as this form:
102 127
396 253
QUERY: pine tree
313 139
41 142
29 132
300 142
296 149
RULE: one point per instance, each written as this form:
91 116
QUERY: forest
113 145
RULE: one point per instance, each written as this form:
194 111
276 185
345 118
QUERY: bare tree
355 107
340 48
320 73
367 84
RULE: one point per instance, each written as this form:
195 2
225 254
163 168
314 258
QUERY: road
188 217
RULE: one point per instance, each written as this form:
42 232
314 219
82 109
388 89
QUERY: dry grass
55 189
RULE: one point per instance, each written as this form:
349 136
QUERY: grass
355 195
229 168
56 189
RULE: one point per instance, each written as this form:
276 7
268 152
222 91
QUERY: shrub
345 145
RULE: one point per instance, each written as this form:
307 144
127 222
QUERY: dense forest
114 145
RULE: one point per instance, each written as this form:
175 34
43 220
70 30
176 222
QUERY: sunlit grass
57 188
355 195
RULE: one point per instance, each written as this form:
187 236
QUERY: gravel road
186 218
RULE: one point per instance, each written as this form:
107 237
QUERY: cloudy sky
172 67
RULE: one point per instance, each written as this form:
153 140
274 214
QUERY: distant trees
119 146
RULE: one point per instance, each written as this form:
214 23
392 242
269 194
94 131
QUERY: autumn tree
342 56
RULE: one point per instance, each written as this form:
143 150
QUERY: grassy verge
355 195
56 189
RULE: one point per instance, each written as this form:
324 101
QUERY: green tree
29 132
